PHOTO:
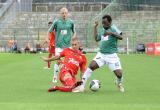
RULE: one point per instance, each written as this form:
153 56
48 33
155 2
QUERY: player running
73 60
108 52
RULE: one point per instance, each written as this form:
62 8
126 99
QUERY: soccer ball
94 85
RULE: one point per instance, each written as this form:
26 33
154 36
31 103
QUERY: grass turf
24 84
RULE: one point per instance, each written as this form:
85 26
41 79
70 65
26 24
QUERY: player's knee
93 65
118 73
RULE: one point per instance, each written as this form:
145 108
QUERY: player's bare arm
51 59
95 30
113 34
45 41
74 34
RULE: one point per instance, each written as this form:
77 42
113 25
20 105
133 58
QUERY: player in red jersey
51 44
73 60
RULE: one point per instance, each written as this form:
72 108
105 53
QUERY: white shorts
58 51
112 60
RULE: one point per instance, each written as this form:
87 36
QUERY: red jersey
52 38
73 60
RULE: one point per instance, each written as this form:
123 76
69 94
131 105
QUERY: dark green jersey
108 44
64 30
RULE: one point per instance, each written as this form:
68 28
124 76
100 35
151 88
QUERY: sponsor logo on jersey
71 60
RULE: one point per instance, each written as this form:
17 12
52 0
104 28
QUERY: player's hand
106 33
96 24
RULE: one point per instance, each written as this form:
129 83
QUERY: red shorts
66 77
51 50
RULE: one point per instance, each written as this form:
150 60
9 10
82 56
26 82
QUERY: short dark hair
108 18
50 22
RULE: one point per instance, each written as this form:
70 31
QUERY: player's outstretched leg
64 88
52 89
68 81
60 88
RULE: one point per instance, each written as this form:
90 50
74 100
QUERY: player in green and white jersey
64 30
107 55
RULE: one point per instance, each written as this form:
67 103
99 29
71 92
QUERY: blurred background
25 22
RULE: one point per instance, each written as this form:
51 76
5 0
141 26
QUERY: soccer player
64 29
108 52
51 44
73 60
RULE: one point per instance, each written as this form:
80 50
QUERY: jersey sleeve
83 64
53 26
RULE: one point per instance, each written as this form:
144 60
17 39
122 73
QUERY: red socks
49 63
64 89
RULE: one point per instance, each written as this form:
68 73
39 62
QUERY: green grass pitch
24 84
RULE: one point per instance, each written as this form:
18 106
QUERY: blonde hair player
64 30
